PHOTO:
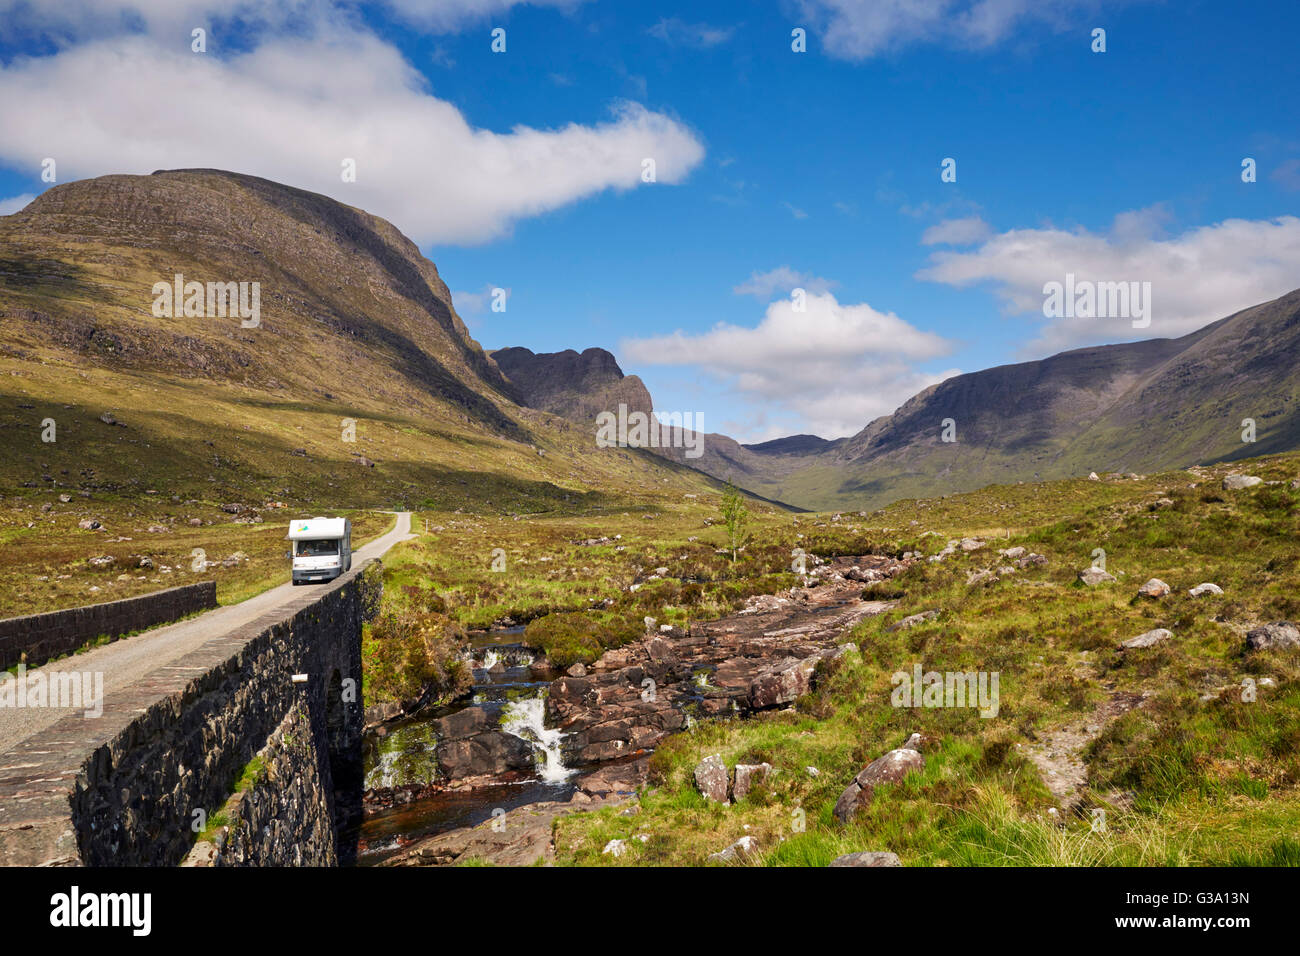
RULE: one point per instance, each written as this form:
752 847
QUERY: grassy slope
200 446
356 324
1211 781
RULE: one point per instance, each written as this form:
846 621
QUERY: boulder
870 858
744 847
890 768
89 524
1206 588
1031 561
1276 634
1149 638
615 848
1095 576
660 650
1012 553
914 619
711 778
971 544
782 682
469 745
487 754
1154 588
1238 482
748 774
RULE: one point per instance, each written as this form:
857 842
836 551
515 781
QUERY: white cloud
782 279
1197 277
678 32
957 232
293 108
13 204
71 19
859 29
477 303
833 367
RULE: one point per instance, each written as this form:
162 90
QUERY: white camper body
321 548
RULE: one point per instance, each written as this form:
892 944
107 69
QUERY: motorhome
321 548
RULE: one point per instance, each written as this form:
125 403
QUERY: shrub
410 654
567 638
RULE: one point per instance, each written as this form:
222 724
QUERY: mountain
794 445
577 386
356 378
359 385
581 386
1134 407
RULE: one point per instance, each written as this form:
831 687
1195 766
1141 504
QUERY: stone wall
124 790
281 817
44 636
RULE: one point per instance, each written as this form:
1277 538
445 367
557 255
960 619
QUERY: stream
511 689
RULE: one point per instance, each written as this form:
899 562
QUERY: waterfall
406 755
526 719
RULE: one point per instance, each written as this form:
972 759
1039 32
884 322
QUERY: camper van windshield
311 549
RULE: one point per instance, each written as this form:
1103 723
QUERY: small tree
735 518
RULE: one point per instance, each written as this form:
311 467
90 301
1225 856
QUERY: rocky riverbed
527 750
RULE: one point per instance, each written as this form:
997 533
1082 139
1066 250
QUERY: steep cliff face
578 386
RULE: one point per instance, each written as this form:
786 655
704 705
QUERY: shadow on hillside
47 277
219 462
1282 438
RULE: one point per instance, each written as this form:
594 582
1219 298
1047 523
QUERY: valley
1179 753
577 659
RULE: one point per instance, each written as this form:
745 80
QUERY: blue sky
521 170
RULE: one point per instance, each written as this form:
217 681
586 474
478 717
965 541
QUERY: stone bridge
153 780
